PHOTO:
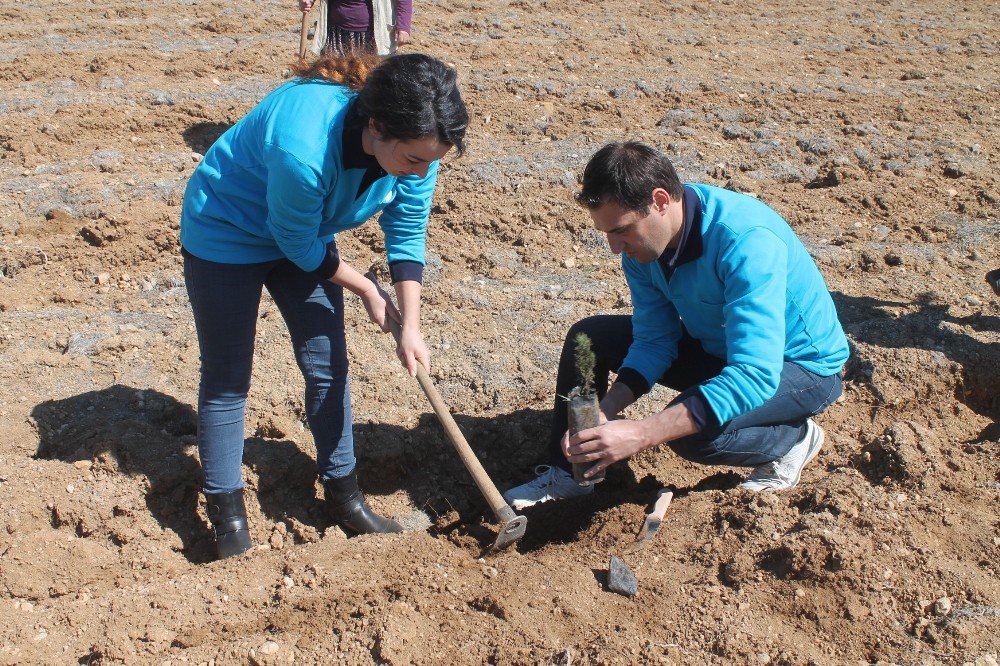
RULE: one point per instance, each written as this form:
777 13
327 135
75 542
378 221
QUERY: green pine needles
585 361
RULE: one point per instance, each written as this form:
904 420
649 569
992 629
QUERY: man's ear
661 199
375 127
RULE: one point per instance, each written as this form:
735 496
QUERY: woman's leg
313 310
224 299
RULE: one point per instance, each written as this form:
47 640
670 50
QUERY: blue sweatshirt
747 289
280 183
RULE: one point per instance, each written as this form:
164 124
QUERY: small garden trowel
653 519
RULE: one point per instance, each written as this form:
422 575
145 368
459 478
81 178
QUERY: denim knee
224 389
750 448
698 449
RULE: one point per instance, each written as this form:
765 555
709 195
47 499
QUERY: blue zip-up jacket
753 297
275 185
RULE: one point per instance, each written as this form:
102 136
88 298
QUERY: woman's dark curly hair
409 96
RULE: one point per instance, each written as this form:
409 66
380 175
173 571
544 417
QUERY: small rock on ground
621 579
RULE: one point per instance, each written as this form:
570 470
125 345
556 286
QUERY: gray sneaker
784 472
551 483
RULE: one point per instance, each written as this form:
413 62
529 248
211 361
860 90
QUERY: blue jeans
225 299
759 436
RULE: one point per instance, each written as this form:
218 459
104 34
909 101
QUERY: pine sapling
584 409
585 363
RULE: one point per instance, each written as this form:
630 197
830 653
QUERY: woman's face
405 158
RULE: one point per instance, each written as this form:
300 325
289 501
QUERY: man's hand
607 444
412 350
305 5
402 37
564 443
618 440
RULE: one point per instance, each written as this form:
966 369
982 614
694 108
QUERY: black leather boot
347 507
993 278
228 516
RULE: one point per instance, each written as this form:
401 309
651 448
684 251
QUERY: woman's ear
375 127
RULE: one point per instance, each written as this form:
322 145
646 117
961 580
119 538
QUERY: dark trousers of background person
759 436
225 299
341 43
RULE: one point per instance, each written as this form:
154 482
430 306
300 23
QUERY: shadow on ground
199 137
150 437
137 433
930 327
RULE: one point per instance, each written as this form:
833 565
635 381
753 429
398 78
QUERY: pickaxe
512 526
304 35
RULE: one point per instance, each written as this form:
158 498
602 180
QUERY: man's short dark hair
627 174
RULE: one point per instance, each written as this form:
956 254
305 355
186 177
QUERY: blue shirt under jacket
275 185
747 290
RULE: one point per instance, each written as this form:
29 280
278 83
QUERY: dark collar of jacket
690 246
353 152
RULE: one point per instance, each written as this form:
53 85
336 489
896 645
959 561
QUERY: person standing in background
347 27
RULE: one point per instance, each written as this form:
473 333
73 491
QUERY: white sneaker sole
518 504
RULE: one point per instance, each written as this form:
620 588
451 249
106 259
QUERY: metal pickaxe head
511 530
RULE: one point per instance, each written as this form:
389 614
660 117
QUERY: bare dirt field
871 126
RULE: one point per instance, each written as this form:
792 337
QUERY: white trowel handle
663 499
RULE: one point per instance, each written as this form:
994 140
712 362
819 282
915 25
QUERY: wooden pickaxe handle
465 452
304 35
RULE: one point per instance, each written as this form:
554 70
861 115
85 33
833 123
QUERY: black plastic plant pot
584 412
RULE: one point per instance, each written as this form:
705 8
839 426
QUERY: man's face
640 236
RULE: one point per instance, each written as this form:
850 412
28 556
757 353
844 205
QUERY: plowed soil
871 126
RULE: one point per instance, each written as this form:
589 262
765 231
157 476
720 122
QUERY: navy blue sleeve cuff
406 270
330 263
634 380
700 412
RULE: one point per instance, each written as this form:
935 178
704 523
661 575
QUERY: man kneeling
728 308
